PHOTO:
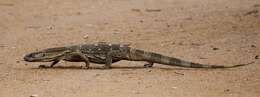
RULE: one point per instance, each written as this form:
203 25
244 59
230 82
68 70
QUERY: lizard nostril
26 58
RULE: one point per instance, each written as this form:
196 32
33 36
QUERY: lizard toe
148 66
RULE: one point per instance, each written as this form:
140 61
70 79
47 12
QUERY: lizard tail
178 62
161 59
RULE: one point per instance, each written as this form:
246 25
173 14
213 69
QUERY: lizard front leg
86 60
83 56
56 60
52 64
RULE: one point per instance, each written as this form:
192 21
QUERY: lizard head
46 55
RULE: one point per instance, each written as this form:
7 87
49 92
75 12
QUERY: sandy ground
206 31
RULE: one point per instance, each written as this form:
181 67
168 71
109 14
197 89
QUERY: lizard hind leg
109 59
148 65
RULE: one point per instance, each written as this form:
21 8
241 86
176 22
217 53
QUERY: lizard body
105 53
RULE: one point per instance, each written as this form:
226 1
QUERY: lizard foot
43 66
84 67
106 67
148 65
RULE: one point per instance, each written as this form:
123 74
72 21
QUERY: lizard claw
148 65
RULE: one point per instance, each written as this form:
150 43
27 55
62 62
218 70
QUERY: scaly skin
105 53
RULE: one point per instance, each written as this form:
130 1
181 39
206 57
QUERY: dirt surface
206 31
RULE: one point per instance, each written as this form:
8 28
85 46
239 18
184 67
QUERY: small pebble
189 18
253 46
1 45
256 5
202 58
34 95
97 75
227 90
136 92
85 36
195 44
174 87
252 12
50 28
116 32
78 13
168 25
234 27
215 48
148 86
180 43
153 10
136 10
178 73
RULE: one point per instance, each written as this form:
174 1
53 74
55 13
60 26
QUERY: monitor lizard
106 53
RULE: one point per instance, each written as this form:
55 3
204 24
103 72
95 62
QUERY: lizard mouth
29 58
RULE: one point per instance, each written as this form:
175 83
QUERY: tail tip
239 65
